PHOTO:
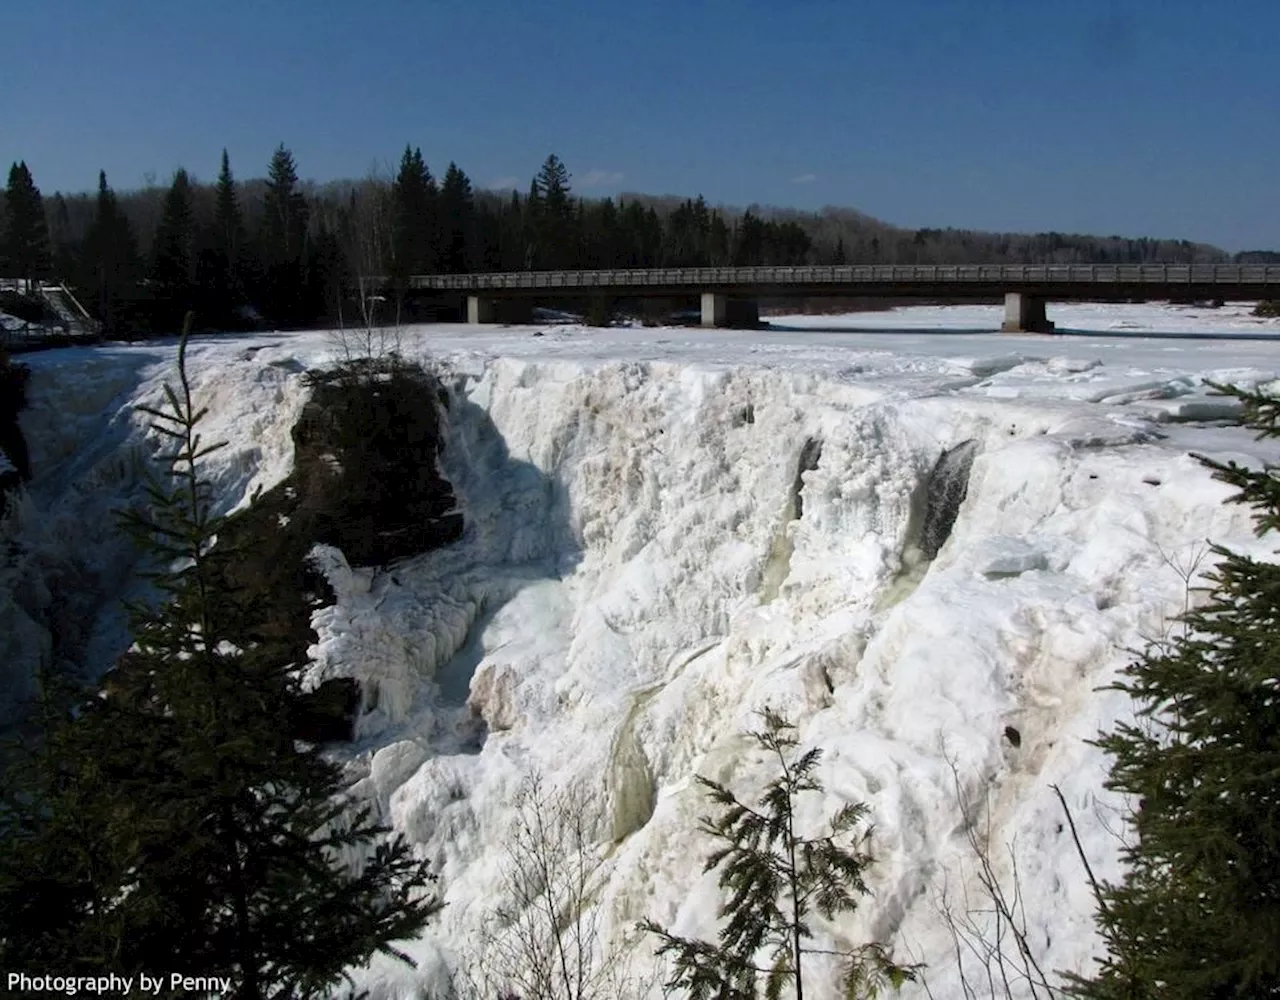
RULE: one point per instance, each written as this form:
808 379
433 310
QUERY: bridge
729 295
65 314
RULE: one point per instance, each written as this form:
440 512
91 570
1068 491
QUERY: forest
290 253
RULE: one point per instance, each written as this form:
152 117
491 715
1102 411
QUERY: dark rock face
810 456
366 468
13 446
366 481
945 490
327 714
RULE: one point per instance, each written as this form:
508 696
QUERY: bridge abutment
1025 313
724 310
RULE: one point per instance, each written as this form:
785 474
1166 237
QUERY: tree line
291 253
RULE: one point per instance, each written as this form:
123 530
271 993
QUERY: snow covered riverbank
667 529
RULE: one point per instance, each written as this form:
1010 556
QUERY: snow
629 588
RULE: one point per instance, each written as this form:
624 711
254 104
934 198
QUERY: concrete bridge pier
481 310
1024 313
721 310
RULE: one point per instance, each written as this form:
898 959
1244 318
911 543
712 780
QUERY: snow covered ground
633 584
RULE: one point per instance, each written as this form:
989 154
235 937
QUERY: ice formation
910 543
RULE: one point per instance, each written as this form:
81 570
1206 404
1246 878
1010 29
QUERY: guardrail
1009 275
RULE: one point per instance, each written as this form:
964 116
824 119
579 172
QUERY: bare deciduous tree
365 232
543 942
991 945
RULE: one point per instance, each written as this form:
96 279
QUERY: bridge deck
1046 280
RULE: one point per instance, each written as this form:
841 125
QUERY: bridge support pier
721 310
481 310
1024 314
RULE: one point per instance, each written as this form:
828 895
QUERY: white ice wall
643 663
629 591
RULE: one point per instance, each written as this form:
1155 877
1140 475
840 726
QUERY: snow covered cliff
930 551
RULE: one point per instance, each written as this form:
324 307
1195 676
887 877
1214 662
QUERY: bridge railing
1007 275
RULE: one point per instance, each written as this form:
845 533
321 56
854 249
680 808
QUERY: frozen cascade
778 562
631 788
613 595
945 491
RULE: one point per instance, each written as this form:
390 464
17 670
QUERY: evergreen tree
775 878
749 241
175 823
24 251
415 221
608 249
285 213
553 185
599 229
457 210
556 236
111 258
173 255
223 264
701 223
1197 914
576 254
283 240
67 251
718 241
532 228
329 274
511 255
838 258
680 247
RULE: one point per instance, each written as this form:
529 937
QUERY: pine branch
772 877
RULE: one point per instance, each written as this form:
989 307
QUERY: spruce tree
175 822
556 236
718 241
111 260
749 241
531 227
65 258
283 240
510 235
457 210
285 213
415 219
224 277
608 247
1197 913
173 254
24 250
775 879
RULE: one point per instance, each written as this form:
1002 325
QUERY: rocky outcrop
366 481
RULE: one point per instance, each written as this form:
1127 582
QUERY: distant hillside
1258 257
863 238
870 240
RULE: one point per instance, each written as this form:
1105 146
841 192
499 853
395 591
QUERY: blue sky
1140 117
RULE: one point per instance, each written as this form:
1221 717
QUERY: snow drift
909 546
